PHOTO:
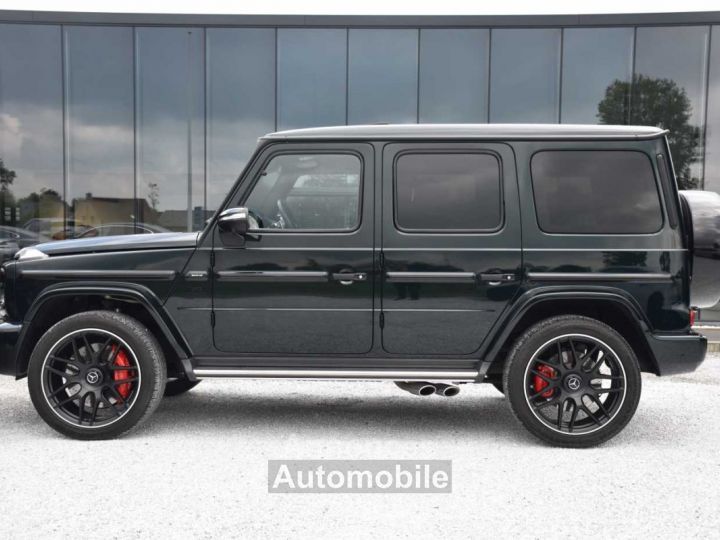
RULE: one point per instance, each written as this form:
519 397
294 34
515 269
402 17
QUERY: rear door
450 245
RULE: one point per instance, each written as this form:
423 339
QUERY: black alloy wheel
572 381
575 384
96 375
91 378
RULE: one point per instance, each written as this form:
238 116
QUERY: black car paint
295 316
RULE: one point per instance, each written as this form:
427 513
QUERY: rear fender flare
507 324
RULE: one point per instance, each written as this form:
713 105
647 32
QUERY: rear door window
595 192
448 192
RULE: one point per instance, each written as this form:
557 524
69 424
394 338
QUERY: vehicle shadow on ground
362 416
482 415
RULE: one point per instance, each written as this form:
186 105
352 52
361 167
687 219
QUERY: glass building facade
145 123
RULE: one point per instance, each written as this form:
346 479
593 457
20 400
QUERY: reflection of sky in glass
31 107
312 66
383 75
99 95
677 53
712 151
170 119
454 75
240 70
680 54
593 58
524 75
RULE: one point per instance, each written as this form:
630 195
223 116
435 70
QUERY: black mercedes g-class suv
554 262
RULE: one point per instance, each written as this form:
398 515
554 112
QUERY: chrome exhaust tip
446 390
419 388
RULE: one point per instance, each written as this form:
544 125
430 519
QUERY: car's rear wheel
573 381
96 375
176 387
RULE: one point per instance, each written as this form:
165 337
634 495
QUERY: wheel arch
614 308
62 300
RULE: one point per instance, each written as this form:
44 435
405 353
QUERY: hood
130 242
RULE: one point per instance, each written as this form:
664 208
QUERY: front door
302 282
450 245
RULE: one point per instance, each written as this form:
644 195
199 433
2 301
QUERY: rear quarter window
595 192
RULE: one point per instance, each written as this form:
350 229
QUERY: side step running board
352 374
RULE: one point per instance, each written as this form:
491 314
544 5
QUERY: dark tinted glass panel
447 192
383 76
240 102
595 61
454 75
170 124
312 77
712 151
524 78
31 152
308 191
712 147
99 95
587 192
669 90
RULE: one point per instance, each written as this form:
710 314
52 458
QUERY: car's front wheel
96 375
572 381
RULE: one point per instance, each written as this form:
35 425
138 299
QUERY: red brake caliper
539 383
120 375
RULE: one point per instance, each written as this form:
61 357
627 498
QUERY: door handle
495 279
348 278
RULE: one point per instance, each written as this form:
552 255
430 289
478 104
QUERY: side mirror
235 220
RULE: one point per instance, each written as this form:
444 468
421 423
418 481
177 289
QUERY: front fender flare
131 291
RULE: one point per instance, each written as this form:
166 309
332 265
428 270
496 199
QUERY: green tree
656 102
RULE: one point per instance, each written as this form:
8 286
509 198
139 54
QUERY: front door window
308 192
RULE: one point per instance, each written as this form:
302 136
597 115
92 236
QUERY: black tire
110 362
176 387
572 381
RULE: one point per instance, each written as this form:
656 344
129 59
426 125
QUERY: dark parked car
13 239
553 262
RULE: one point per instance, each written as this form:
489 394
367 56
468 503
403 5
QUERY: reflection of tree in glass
7 200
661 103
45 194
46 204
6 177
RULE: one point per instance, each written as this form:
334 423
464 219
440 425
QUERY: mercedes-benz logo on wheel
93 376
573 382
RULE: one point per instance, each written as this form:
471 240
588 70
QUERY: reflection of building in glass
156 121
93 211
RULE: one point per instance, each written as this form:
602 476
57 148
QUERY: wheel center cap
573 382
94 376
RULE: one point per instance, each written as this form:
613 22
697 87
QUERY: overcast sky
367 7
